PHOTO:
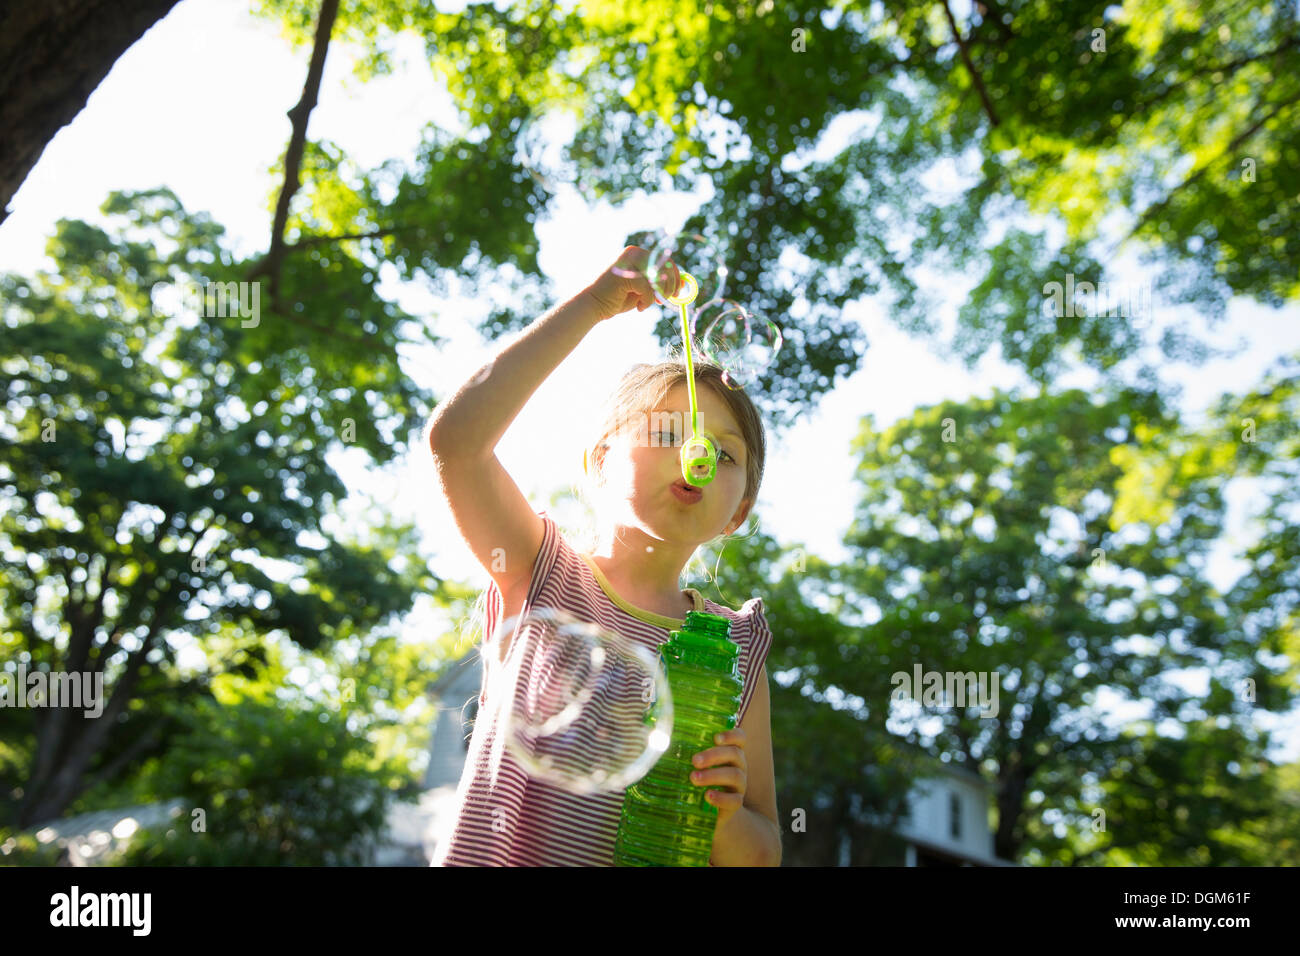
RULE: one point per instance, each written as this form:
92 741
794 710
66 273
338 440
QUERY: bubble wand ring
698 452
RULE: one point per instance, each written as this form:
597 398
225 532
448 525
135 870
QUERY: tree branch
270 266
378 233
1228 69
1237 141
970 66
990 12
307 323
85 625
136 747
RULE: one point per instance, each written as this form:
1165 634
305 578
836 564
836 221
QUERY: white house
947 823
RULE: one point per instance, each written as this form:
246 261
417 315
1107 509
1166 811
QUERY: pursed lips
681 483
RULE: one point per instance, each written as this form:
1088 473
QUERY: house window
954 811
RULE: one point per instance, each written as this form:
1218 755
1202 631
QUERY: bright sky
199 104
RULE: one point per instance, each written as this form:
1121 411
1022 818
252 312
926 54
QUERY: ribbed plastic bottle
666 821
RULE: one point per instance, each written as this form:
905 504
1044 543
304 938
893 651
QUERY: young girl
649 526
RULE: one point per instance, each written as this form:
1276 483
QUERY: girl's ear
743 512
591 461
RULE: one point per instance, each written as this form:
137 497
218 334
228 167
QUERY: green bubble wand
698 452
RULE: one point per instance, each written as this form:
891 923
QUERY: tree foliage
165 484
1025 536
1054 539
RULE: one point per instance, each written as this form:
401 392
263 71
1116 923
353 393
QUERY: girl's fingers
725 801
722 754
732 777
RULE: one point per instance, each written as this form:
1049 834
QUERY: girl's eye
721 452
673 440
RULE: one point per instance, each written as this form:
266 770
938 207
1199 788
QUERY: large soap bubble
582 707
738 341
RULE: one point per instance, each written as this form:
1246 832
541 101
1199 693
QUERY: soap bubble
738 341
701 257
583 708
687 252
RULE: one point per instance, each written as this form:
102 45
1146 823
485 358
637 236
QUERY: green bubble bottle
666 821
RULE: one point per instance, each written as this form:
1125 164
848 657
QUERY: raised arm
493 516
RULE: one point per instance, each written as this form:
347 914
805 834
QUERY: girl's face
644 462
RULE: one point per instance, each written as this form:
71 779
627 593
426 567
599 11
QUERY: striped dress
508 818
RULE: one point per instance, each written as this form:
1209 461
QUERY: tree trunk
1011 801
56 786
53 55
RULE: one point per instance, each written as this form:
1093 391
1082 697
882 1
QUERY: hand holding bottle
729 770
